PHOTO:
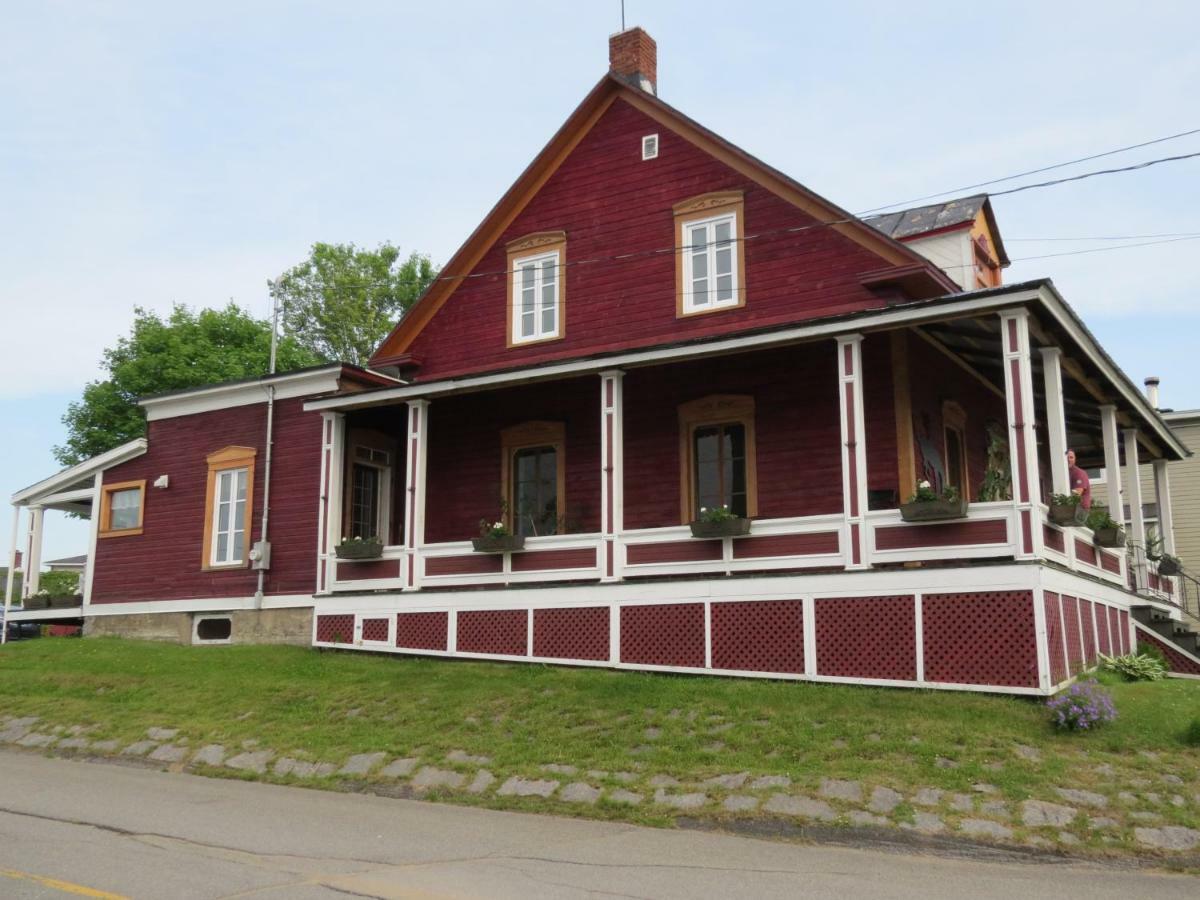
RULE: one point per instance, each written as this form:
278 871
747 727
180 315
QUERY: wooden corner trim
715 409
105 529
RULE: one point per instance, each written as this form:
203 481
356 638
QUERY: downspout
266 510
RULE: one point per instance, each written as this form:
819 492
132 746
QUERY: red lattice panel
499 631
1103 630
422 630
1054 638
1089 631
375 629
1114 629
1074 641
668 634
1176 661
759 636
1125 631
335 629
984 638
577 632
867 637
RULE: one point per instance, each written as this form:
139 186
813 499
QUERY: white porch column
1018 391
89 569
1162 496
1133 494
416 454
329 511
31 582
854 449
1112 462
612 471
12 567
1056 419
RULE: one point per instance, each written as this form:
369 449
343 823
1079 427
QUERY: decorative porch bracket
1133 495
612 471
854 450
1018 392
414 497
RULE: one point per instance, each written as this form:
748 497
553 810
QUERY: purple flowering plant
1081 707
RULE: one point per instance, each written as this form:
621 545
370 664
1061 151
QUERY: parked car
19 630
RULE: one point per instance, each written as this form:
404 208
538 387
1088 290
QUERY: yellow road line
65 887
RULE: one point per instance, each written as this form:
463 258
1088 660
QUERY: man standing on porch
1079 481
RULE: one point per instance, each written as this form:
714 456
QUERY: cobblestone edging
1132 819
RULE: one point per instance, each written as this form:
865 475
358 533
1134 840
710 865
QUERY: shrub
1146 649
1081 707
1136 666
1191 734
58 585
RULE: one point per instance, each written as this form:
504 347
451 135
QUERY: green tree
187 349
342 301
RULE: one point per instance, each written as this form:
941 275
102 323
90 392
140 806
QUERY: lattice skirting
974 640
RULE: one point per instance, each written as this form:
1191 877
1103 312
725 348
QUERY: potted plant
496 537
719 522
927 505
1168 564
359 548
1065 509
1106 532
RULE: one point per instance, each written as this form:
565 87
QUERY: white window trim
213 561
689 304
518 286
648 141
384 506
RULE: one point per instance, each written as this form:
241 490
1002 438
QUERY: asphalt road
72 828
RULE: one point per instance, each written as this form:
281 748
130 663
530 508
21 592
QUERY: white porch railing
989 530
1072 546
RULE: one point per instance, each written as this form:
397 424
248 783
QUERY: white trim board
60 482
143 607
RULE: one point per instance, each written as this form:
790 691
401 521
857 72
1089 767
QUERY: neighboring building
67 564
1185 489
731 339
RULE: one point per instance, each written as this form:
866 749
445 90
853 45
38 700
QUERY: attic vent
650 146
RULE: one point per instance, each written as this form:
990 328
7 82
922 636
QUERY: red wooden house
649 325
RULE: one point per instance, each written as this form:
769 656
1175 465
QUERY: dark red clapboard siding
472 564
786 545
1109 562
1054 539
363 571
950 534
532 561
164 562
673 551
1085 552
609 201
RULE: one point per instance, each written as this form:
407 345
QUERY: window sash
229 517
710 262
124 509
366 501
536 291
719 476
535 490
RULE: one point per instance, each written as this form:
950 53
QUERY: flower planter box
735 527
933 510
359 550
1109 537
1168 566
36 603
498 543
65 602
1067 514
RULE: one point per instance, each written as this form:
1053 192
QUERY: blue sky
157 153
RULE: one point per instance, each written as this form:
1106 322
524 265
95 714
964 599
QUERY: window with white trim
229 517
710 264
370 489
536 297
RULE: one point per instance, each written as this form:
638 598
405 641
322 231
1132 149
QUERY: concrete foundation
248 626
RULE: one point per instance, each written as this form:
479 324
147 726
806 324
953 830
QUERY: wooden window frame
106 491
716 409
224 460
542 243
954 418
526 436
699 209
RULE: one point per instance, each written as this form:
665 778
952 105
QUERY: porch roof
72 487
1062 323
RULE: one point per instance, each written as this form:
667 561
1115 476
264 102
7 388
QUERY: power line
968 187
1116 237
1106 249
1142 165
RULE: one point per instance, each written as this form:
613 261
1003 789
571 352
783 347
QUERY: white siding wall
949 252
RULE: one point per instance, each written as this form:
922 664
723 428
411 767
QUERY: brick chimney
633 57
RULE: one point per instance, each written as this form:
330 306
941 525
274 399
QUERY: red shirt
1080 482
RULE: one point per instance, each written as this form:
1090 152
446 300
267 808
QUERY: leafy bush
58 585
1081 707
1191 734
1136 666
1147 649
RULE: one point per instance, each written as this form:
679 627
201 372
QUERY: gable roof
921 220
546 163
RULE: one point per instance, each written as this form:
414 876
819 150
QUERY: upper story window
121 508
228 507
711 259
717 456
536 287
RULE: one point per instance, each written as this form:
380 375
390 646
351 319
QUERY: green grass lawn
326 706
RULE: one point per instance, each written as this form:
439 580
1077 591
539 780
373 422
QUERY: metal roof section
919 220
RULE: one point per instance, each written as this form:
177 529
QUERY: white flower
497 524
704 509
924 484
